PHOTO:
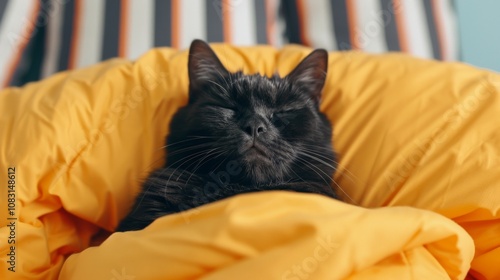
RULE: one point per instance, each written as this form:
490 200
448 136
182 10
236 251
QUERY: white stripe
192 21
14 29
90 33
370 22
140 37
417 32
53 42
449 23
279 36
319 22
243 31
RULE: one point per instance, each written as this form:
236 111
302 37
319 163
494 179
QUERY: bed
418 176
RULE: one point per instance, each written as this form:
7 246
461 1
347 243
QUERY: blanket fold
283 235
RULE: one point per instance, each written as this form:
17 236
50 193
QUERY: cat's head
254 130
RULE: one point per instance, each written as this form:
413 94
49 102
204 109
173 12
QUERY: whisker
203 155
199 146
328 149
153 163
345 193
350 175
317 159
297 176
191 157
215 168
338 186
201 161
191 138
311 165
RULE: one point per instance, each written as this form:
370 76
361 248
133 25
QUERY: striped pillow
424 28
83 32
88 31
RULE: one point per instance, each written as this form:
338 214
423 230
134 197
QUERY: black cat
241 133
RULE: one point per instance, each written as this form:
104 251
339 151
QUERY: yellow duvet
419 150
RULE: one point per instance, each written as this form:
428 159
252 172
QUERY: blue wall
480 32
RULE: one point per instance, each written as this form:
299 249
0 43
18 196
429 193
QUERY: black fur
241 133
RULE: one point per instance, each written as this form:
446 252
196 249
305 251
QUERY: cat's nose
255 127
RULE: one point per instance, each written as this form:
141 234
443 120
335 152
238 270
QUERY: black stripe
30 65
215 32
432 27
163 23
261 21
288 11
341 24
3 6
66 35
390 27
111 34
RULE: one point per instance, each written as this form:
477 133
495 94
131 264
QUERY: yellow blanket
409 132
283 235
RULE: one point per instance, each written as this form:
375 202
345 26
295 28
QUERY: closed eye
220 106
283 116
285 112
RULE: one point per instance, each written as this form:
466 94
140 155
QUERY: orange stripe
352 18
226 20
302 12
75 37
398 14
30 27
124 14
436 12
176 23
270 19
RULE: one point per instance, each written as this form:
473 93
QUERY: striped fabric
18 26
83 32
78 33
424 28
42 37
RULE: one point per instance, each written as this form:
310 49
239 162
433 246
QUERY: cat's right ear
310 74
203 65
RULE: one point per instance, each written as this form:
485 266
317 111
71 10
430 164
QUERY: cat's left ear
310 74
203 65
